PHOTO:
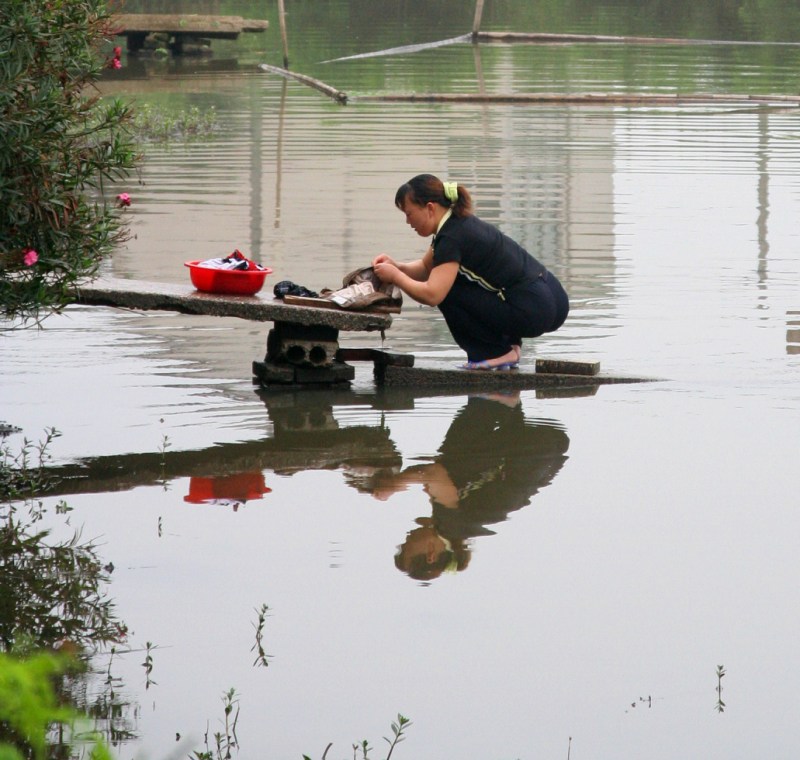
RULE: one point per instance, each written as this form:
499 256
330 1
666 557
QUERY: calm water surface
610 550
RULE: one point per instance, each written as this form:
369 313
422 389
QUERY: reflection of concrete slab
306 435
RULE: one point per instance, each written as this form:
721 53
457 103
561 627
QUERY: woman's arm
417 269
432 291
419 279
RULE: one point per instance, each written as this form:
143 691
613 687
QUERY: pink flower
29 257
115 62
123 199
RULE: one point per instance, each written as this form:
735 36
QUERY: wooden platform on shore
181 28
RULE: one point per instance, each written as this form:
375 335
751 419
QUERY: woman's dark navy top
485 255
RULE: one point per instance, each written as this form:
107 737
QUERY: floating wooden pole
282 22
537 98
310 81
534 98
546 37
574 98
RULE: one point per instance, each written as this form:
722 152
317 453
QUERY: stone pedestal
302 355
303 345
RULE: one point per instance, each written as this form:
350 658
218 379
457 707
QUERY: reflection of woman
491 462
490 290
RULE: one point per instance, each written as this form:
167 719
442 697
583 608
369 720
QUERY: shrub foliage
61 144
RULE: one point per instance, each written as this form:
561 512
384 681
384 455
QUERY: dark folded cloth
289 288
361 289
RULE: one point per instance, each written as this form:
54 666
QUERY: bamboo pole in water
476 24
282 21
633 98
512 37
310 81
550 98
642 98
536 97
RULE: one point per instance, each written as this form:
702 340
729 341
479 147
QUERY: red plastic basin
229 281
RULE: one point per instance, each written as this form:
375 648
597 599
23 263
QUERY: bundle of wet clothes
236 261
360 289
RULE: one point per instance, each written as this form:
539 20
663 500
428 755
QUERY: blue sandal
484 366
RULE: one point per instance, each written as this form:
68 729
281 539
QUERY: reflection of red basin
241 487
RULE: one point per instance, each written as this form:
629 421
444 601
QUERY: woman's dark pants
485 326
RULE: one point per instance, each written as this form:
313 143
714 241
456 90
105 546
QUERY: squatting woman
490 290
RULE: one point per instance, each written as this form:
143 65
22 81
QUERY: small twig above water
720 706
258 647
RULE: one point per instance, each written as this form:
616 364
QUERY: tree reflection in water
53 596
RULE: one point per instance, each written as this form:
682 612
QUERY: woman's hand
383 258
430 289
386 269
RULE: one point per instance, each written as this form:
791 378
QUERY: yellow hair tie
451 191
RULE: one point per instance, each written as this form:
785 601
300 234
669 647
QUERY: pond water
609 550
